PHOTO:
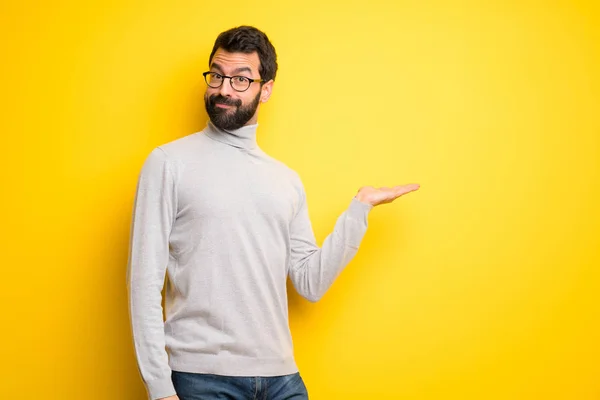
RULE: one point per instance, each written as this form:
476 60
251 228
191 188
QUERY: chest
243 189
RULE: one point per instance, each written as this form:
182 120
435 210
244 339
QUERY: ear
265 91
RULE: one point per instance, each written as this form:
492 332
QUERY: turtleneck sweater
227 225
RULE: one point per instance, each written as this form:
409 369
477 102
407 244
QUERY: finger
403 189
410 187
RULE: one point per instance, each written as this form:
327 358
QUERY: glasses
238 83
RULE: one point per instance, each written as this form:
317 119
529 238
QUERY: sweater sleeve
154 211
313 269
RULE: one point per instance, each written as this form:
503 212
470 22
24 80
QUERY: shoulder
169 156
180 148
284 169
178 152
292 180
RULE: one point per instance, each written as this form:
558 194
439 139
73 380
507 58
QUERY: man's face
227 108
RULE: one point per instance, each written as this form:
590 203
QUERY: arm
312 269
153 215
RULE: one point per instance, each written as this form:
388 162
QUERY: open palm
383 195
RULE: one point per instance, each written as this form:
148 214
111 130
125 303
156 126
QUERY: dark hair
247 39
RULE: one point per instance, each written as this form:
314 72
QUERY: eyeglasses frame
230 80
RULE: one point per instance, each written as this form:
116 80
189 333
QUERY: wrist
363 199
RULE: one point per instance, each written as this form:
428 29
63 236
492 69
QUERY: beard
229 118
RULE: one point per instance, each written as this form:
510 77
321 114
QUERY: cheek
209 91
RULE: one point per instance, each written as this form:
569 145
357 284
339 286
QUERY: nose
225 89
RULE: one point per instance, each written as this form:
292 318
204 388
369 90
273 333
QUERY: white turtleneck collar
242 138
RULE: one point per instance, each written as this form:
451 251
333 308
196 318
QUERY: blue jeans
193 386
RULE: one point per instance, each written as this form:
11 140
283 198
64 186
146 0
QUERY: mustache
219 99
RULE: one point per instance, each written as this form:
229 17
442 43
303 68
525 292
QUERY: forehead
233 61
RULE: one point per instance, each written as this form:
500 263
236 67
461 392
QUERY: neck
242 138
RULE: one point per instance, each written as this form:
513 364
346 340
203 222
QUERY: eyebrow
235 71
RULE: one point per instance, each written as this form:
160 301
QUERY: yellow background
484 284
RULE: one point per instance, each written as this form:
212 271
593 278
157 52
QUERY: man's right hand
169 398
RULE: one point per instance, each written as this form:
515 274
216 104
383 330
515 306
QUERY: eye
214 75
240 79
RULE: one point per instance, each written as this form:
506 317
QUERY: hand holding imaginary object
383 195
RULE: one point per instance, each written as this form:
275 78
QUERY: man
228 224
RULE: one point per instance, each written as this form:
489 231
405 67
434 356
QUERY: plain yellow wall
484 284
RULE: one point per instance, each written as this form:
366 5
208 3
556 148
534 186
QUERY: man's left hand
383 195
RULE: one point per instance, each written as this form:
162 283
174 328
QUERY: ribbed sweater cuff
160 388
358 208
